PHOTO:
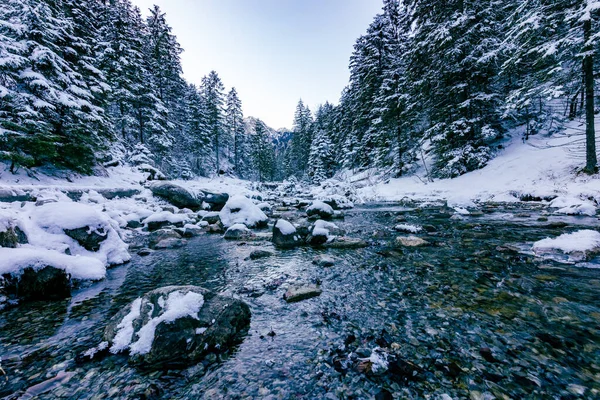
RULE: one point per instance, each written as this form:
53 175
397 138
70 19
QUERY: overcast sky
273 51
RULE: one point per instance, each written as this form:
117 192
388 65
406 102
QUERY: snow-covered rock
581 243
285 235
216 201
241 210
320 209
163 218
238 232
573 206
176 326
337 202
301 292
40 274
74 227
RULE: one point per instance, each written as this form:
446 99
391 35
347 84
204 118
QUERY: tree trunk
588 71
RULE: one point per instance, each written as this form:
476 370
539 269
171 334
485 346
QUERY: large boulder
318 209
285 235
241 210
176 195
177 326
216 201
46 283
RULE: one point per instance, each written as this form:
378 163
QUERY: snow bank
241 210
14 261
580 241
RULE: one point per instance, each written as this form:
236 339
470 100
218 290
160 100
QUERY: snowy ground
542 167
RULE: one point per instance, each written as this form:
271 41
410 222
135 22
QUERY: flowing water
473 315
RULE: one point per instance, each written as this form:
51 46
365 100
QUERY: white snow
319 205
241 210
14 261
44 226
122 339
410 228
285 227
543 167
320 232
579 241
570 205
325 225
166 216
178 305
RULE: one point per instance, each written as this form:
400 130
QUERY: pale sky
273 51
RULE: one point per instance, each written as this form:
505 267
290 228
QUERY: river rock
170 243
46 283
324 261
317 237
175 194
411 241
259 253
111 193
344 242
216 201
301 292
190 230
212 218
89 238
285 235
10 195
238 232
177 326
162 234
320 210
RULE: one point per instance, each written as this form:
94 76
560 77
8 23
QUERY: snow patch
285 227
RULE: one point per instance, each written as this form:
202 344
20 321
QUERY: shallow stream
474 315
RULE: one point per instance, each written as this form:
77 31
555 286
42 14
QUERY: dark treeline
88 82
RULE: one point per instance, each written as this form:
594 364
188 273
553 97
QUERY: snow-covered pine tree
212 90
234 124
262 152
60 110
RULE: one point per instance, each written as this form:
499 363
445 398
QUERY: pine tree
234 122
213 95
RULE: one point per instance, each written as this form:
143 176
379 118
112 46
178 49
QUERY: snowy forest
433 233
90 82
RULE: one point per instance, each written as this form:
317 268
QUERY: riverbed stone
160 235
411 241
217 325
238 232
324 260
259 253
344 242
170 243
212 218
176 195
301 292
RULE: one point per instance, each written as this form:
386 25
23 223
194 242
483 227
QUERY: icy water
471 316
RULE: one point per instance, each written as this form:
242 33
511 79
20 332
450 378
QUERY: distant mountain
279 137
